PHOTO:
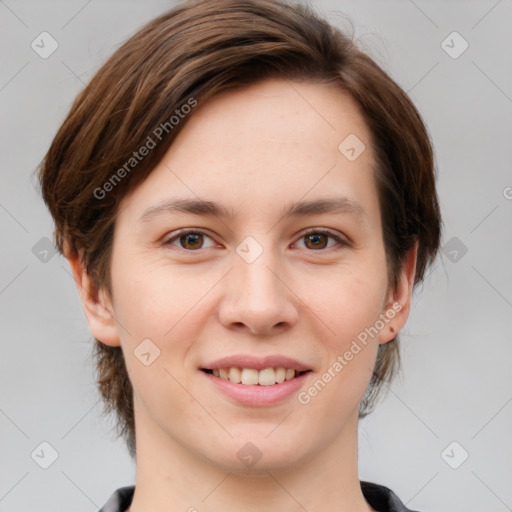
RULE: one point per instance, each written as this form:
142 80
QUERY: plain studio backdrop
441 437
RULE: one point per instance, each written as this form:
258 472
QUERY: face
258 279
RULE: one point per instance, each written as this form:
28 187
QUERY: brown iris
192 239
315 239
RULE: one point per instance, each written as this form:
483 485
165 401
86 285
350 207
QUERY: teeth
235 375
249 376
252 377
280 375
267 377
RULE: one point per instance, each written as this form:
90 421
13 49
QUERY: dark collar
382 498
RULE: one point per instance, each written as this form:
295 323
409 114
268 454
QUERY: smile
254 377
255 394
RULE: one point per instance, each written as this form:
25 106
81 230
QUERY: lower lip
257 395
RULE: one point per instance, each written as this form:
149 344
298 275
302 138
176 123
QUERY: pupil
315 238
191 237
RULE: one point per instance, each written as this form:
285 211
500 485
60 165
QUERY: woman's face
252 285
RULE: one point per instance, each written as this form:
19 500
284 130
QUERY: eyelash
329 233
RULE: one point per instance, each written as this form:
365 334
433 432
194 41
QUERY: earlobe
96 305
399 300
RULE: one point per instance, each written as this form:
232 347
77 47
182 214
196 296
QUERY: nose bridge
257 266
257 296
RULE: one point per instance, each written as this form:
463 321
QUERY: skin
254 151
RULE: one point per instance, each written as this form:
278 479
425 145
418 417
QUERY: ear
398 302
96 305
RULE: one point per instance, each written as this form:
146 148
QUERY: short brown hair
198 50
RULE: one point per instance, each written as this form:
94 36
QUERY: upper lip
257 363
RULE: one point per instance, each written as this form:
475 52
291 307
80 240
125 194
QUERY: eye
317 239
189 240
192 240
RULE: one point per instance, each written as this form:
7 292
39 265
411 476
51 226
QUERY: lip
256 395
257 363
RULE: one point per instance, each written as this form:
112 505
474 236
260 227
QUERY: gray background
456 383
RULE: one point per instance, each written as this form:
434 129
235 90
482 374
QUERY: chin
254 454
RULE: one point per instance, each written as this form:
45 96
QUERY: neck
171 477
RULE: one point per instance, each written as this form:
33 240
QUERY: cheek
152 302
334 396
350 349
167 308
353 301
153 306
351 309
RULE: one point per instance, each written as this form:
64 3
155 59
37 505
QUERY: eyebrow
338 205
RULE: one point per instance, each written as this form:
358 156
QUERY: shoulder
120 500
382 498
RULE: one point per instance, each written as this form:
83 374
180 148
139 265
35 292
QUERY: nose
258 298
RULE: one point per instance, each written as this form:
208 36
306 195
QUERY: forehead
319 115
265 147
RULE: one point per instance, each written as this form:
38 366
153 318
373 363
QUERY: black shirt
378 496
